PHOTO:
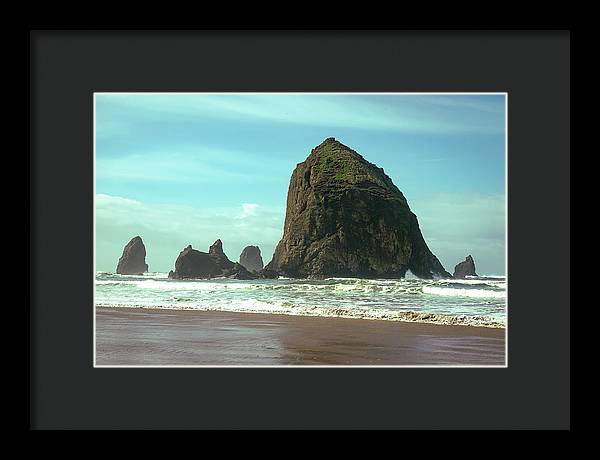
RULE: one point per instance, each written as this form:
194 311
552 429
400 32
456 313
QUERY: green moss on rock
345 217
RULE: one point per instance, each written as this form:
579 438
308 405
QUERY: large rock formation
346 218
216 252
251 259
192 263
133 260
465 268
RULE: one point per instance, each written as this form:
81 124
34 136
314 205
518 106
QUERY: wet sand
170 337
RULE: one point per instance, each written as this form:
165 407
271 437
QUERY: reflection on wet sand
162 337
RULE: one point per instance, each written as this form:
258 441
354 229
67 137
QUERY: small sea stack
133 260
216 252
465 268
251 259
192 263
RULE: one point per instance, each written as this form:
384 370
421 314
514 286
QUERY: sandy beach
184 337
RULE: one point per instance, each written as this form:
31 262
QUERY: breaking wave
481 293
472 302
387 315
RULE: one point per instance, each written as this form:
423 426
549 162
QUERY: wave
334 286
254 306
185 285
475 282
452 292
117 276
489 277
468 302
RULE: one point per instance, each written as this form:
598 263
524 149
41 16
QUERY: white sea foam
479 293
477 302
477 281
251 306
410 275
175 285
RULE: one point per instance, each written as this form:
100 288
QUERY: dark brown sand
172 337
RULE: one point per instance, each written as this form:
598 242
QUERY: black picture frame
66 67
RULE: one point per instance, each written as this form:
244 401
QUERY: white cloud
107 200
248 209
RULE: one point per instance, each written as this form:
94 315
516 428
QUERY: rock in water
192 263
266 273
216 252
345 218
239 272
251 259
133 260
465 268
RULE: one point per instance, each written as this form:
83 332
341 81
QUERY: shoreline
161 337
403 316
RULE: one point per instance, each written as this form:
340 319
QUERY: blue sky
183 169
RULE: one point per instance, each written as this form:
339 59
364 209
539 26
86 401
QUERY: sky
181 169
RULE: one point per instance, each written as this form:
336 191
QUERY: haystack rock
465 268
345 218
251 258
133 260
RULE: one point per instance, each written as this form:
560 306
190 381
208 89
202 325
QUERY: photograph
300 229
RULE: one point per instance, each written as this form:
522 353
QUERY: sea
474 301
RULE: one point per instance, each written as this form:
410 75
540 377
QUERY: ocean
475 301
